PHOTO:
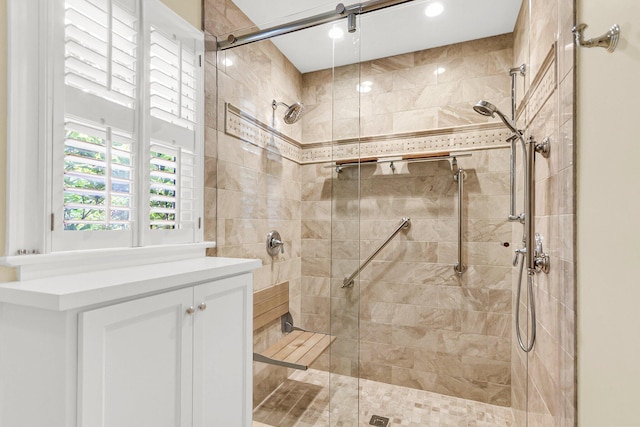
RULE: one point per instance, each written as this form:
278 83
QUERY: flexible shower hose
532 338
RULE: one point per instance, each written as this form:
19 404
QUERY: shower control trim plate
541 259
274 243
544 147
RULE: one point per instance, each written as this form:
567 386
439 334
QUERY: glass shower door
345 225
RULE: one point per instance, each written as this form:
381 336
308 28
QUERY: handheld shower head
292 114
485 108
488 109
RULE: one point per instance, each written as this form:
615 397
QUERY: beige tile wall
408 92
420 325
543 392
250 191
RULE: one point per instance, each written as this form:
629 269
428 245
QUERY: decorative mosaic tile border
243 126
542 87
246 128
461 138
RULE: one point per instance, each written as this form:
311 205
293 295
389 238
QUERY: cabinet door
135 363
223 352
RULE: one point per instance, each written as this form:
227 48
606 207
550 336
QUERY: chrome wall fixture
274 243
537 260
459 176
351 23
404 225
534 258
293 112
338 166
488 109
513 73
340 12
608 40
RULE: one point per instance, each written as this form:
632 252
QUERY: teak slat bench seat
299 348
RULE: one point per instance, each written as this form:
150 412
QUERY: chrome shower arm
275 104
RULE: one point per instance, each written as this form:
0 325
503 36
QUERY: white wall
6 274
191 10
608 215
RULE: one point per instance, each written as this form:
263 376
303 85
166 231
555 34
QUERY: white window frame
35 38
158 130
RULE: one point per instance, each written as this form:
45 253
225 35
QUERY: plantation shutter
172 187
93 200
127 163
101 44
174 132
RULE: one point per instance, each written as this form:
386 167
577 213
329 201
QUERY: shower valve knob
544 147
541 259
274 243
542 263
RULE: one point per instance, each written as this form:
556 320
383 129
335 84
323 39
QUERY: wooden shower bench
299 348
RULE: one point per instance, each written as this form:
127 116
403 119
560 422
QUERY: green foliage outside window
163 187
85 182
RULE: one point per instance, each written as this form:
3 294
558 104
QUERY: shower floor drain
377 420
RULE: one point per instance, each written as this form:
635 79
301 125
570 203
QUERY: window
97 179
116 157
171 187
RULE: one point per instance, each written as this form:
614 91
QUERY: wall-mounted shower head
293 113
488 109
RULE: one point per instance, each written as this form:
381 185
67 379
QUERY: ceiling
386 32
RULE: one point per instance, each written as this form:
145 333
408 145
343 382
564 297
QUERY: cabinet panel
223 353
136 363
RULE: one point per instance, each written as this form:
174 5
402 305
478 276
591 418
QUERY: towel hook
609 40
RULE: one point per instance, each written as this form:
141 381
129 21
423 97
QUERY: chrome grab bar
348 281
459 267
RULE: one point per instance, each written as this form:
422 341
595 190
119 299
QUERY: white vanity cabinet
135 362
177 356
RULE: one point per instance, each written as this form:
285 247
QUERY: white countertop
75 291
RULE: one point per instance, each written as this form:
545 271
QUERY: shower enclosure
391 197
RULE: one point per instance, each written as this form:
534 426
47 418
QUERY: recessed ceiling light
439 70
434 9
364 87
227 62
336 33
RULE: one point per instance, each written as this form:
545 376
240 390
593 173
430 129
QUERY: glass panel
346 255
409 320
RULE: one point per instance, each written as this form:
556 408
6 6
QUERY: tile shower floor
303 401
